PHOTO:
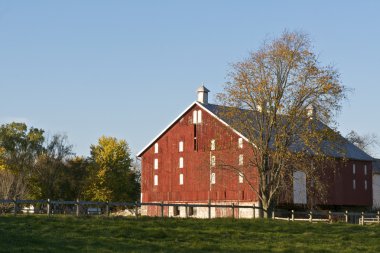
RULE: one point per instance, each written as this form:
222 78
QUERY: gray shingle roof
345 149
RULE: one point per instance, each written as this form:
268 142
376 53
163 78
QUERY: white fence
327 216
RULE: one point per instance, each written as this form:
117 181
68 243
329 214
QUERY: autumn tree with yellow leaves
111 174
282 99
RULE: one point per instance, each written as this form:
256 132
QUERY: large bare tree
282 99
366 142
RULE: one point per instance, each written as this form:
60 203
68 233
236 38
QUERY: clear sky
128 68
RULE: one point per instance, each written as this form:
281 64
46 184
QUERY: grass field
70 234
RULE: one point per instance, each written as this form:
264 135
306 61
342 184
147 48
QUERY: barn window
192 211
213 145
156 180
354 184
156 148
195 138
195 117
181 179
240 145
212 178
354 169
365 170
176 210
181 162
365 185
180 146
156 164
213 161
199 116
241 178
241 160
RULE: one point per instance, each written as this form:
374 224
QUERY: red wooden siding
196 170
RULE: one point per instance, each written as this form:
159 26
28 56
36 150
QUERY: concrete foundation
203 212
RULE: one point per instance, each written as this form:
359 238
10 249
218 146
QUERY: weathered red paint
341 191
196 171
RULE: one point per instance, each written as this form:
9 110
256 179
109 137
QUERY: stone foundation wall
202 212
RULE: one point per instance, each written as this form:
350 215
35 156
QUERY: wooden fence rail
77 207
361 218
51 205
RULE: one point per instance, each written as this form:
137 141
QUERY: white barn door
299 188
376 191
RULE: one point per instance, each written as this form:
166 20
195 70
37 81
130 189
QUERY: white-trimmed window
365 170
213 145
181 179
354 169
354 184
241 160
181 162
240 143
156 148
195 116
180 146
199 116
156 164
241 178
365 185
213 178
213 161
155 180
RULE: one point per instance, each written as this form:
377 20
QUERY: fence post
362 223
137 209
187 210
77 207
273 214
15 206
254 211
162 209
48 208
233 210
292 215
378 216
330 217
346 216
108 208
311 216
209 209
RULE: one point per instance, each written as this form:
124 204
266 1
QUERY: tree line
34 165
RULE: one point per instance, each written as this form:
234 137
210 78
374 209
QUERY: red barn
178 166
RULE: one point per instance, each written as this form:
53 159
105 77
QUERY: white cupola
203 95
311 111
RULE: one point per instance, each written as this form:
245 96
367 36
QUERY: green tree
74 179
50 171
111 174
19 149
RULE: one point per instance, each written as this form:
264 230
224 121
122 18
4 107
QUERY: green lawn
70 234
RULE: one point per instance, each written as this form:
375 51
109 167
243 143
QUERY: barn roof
346 148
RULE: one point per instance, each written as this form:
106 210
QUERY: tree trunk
266 208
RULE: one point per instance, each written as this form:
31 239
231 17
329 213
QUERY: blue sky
128 68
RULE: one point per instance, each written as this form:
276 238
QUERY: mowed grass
96 234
